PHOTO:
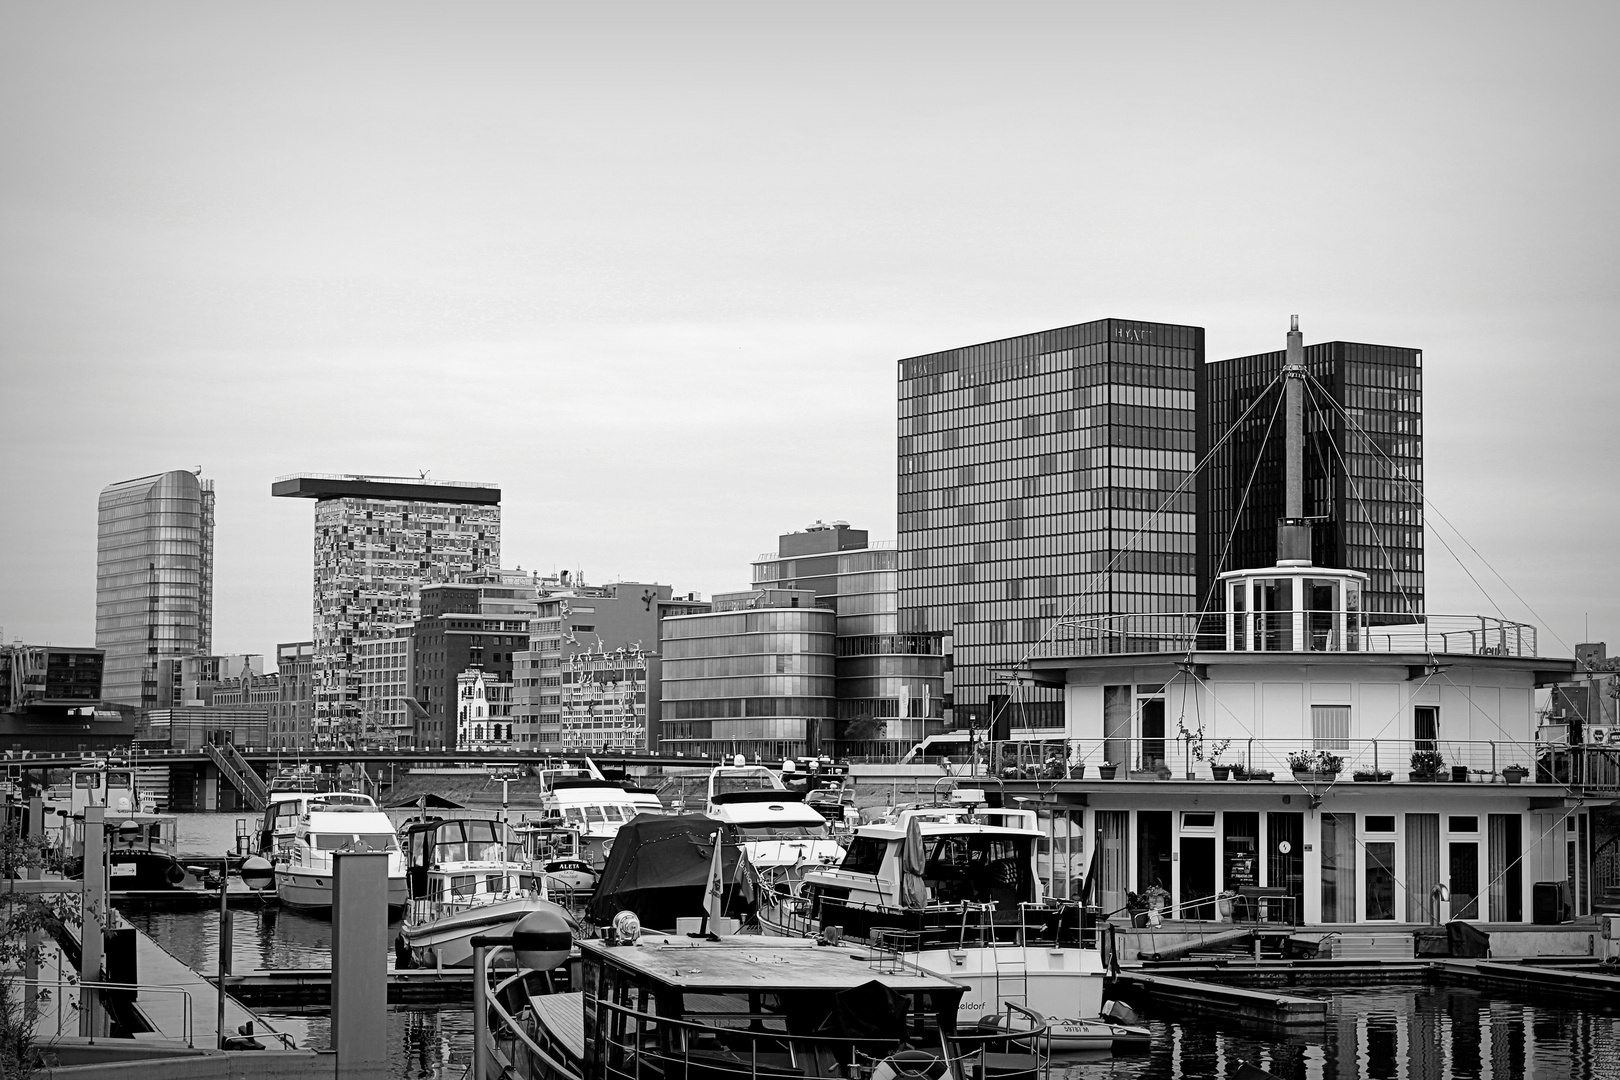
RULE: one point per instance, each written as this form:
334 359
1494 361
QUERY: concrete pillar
93 914
360 964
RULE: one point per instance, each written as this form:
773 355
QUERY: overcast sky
649 267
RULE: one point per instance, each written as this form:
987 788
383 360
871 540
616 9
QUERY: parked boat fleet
940 904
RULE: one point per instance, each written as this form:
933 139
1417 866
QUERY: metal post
36 834
93 915
224 951
360 964
480 1012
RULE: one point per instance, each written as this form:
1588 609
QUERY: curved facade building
750 680
154 579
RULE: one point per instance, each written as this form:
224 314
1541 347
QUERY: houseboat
734 1008
1289 754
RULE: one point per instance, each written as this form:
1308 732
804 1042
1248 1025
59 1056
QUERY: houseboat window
613 813
865 855
1339 868
1462 824
118 779
574 814
594 815
1380 823
1381 879
1192 821
1425 726
355 841
86 779
495 883
463 885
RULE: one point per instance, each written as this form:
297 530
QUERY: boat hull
311 890
446 941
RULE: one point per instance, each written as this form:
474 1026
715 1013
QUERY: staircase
234 767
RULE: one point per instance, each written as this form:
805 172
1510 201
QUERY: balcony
1310 631
1361 761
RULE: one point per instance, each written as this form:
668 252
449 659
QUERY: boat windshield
748 778
356 842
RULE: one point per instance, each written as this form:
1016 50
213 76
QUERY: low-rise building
292 714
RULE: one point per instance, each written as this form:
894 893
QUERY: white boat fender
910 1065
542 939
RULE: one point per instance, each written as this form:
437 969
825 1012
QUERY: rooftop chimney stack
1294 531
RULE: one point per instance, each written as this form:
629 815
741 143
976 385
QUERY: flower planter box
1314 776
1221 772
1262 774
1106 772
1515 776
1459 774
1424 777
1080 771
1379 777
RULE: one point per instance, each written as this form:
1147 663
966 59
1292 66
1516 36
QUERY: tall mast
1294 531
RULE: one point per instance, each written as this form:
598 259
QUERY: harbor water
426 1043
1400 1032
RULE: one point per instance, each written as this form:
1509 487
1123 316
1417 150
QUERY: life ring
911 1065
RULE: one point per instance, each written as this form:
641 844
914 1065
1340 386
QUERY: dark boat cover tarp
1468 941
658 867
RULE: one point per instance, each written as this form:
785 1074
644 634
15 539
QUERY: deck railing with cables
1312 761
1309 631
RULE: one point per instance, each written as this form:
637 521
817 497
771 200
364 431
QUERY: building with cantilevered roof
378 540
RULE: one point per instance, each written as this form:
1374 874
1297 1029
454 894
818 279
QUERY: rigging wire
1163 506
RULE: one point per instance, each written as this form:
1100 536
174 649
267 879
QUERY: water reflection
1389 1033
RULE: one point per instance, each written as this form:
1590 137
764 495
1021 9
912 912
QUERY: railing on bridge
254 792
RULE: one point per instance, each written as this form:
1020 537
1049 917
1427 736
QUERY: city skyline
661 297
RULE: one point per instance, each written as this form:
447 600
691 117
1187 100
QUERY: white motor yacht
952 888
332 823
781 835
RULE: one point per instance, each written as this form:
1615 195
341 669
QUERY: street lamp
256 874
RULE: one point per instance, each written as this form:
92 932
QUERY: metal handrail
185 1012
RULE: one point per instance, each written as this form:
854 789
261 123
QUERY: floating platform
311 988
1157 990
1526 978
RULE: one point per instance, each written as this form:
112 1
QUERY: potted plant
1080 771
1310 765
1220 770
1107 769
1426 764
1371 776
1459 774
1157 898
1258 774
1240 771
1515 774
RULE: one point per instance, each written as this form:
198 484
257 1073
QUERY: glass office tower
1044 477
1363 479
154 579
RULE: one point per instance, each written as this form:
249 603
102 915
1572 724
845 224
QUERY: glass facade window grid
1381 532
905 689
154 580
1025 466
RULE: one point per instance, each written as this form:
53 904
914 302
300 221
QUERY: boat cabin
461 857
757 1006
281 816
